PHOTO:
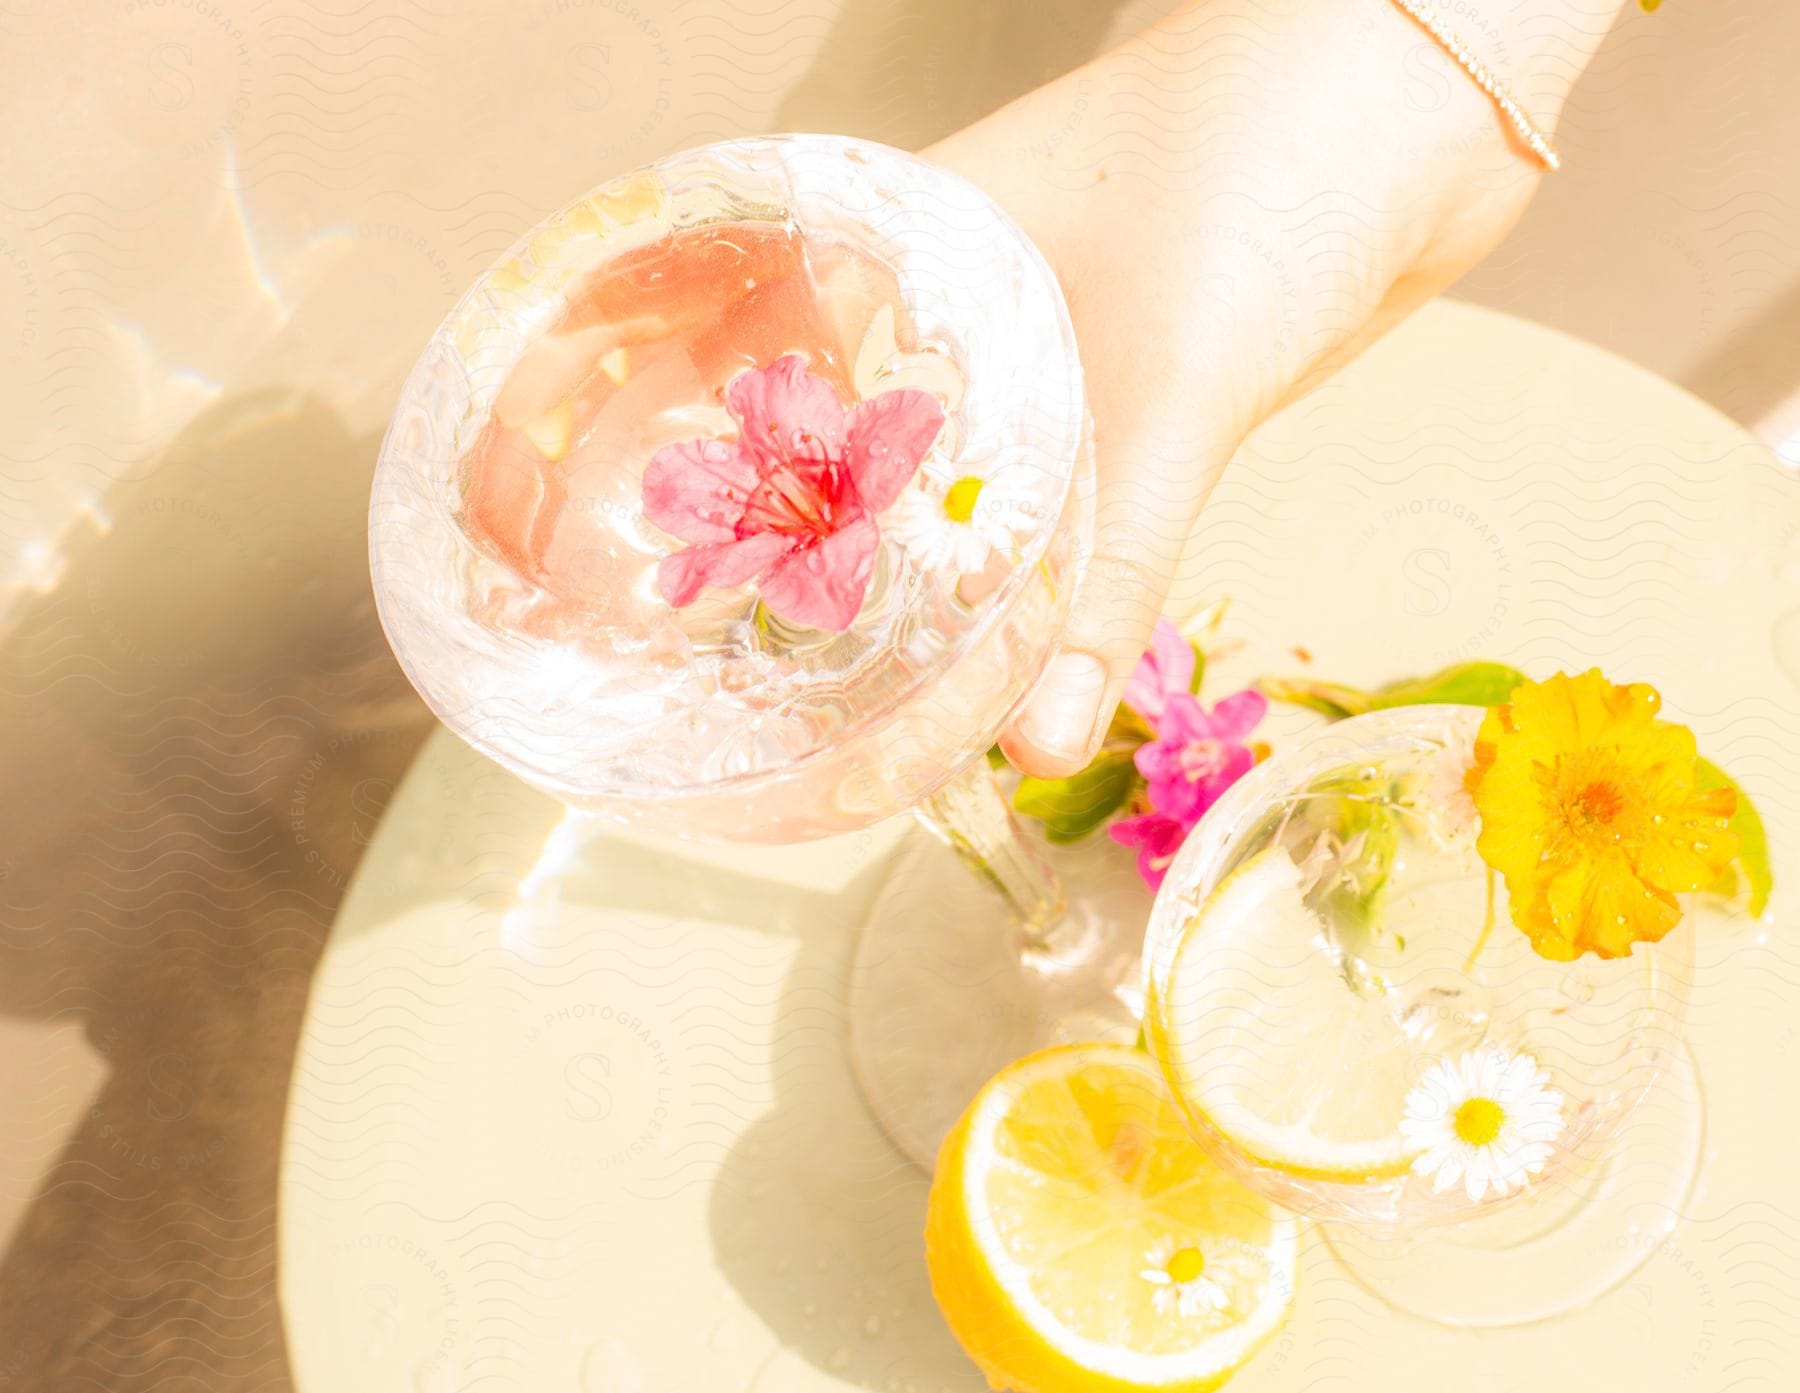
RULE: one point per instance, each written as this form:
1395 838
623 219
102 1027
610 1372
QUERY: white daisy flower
1182 1286
958 515
1486 1119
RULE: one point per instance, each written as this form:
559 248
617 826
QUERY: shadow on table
817 1221
199 725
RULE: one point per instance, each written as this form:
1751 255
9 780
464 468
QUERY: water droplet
1658 819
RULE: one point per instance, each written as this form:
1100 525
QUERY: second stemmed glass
1340 1001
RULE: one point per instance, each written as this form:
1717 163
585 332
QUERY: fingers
1180 334
1062 725
1149 496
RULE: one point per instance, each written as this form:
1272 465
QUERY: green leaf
1199 667
997 760
1073 807
1464 684
1128 728
1753 838
1329 699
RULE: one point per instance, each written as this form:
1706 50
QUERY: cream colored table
573 1112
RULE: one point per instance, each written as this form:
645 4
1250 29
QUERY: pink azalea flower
790 503
1157 837
1197 753
1165 670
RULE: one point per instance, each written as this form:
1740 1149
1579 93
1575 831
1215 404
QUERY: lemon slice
1079 1239
1264 1039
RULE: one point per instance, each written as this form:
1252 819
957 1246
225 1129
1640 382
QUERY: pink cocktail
639 359
526 585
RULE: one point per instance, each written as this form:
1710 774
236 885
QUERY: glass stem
1487 925
972 817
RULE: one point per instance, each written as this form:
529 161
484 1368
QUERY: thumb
1147 499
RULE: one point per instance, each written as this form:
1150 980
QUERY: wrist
1251 189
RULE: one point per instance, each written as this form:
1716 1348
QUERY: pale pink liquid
640 359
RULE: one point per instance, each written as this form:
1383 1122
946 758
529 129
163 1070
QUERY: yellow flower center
1599 801
1186 1265
959 503
1478 1121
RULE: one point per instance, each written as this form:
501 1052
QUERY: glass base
1564 1245
945 991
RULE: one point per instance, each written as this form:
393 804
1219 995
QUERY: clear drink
1336 989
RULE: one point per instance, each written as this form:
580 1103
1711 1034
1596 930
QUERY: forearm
1291 176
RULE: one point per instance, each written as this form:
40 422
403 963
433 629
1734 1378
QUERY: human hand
1236 201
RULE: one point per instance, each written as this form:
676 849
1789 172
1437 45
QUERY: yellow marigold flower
1589 810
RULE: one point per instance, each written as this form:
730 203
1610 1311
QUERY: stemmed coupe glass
1350 1021
523 585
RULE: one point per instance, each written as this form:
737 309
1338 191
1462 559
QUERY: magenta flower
1165 670
1196 756
1197 753
1157 837
790 503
